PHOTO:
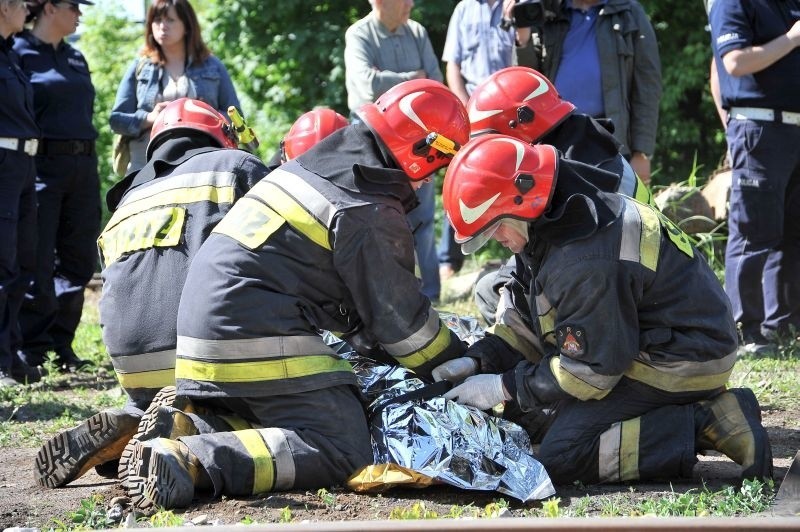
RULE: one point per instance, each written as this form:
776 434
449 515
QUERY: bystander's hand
152 115
641 165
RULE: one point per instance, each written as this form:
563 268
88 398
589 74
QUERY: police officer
627 335
18 145
321 243
67 185
758 65
523 103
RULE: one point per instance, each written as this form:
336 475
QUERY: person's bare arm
716 94
456 82
756 58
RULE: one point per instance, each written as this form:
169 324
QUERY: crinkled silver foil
454 444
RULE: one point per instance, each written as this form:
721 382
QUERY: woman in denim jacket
174 63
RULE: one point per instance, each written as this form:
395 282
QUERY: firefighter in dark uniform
67 184
322 243
757 55
523 103
18 144
161 216
625 332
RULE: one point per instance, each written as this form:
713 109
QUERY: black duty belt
66 147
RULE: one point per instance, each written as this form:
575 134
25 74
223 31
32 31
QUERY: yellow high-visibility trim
236 423
629 450
250 223
293 212
149 229
675 383
547 322
510 336
265 370
178 196
263 466
650 243
434 349
147 379
676 234
572 384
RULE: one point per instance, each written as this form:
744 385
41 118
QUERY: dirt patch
25 504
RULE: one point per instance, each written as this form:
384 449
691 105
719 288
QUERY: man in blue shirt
756 52
602 55
479 43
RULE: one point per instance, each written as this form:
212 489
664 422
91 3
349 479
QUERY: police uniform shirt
736 25
64 94
16 113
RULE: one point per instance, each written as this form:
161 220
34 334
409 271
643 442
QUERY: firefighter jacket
610 288
580 137
321 243
167 212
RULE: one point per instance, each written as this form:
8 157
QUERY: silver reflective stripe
305 194
608 459
628 181
189 180
691 368
508 315
584 372
417 340
629 248
142 362
282 454
251 348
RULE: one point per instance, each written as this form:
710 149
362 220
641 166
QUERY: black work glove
494 354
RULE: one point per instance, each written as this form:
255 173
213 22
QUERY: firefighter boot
97 440
156 424
731 424
164 473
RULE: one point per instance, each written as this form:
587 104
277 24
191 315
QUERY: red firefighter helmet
496 177
309 129
414 117
191 115
517 101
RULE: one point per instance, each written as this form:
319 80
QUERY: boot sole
72 453
164 397
168 484
151 425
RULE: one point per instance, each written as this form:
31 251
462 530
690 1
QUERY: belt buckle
31 146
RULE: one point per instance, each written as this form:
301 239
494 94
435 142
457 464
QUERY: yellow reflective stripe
183 196
675 383
509 336
293 212
572 384
629 450
650 240
250 223
431 351
149 229
547 323
263 467
267 370
147 379
235 422
676 234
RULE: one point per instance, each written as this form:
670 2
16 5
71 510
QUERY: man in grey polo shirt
381 50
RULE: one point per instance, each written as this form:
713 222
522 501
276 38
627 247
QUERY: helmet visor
471 244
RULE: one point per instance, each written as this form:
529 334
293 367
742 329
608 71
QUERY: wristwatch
506 23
